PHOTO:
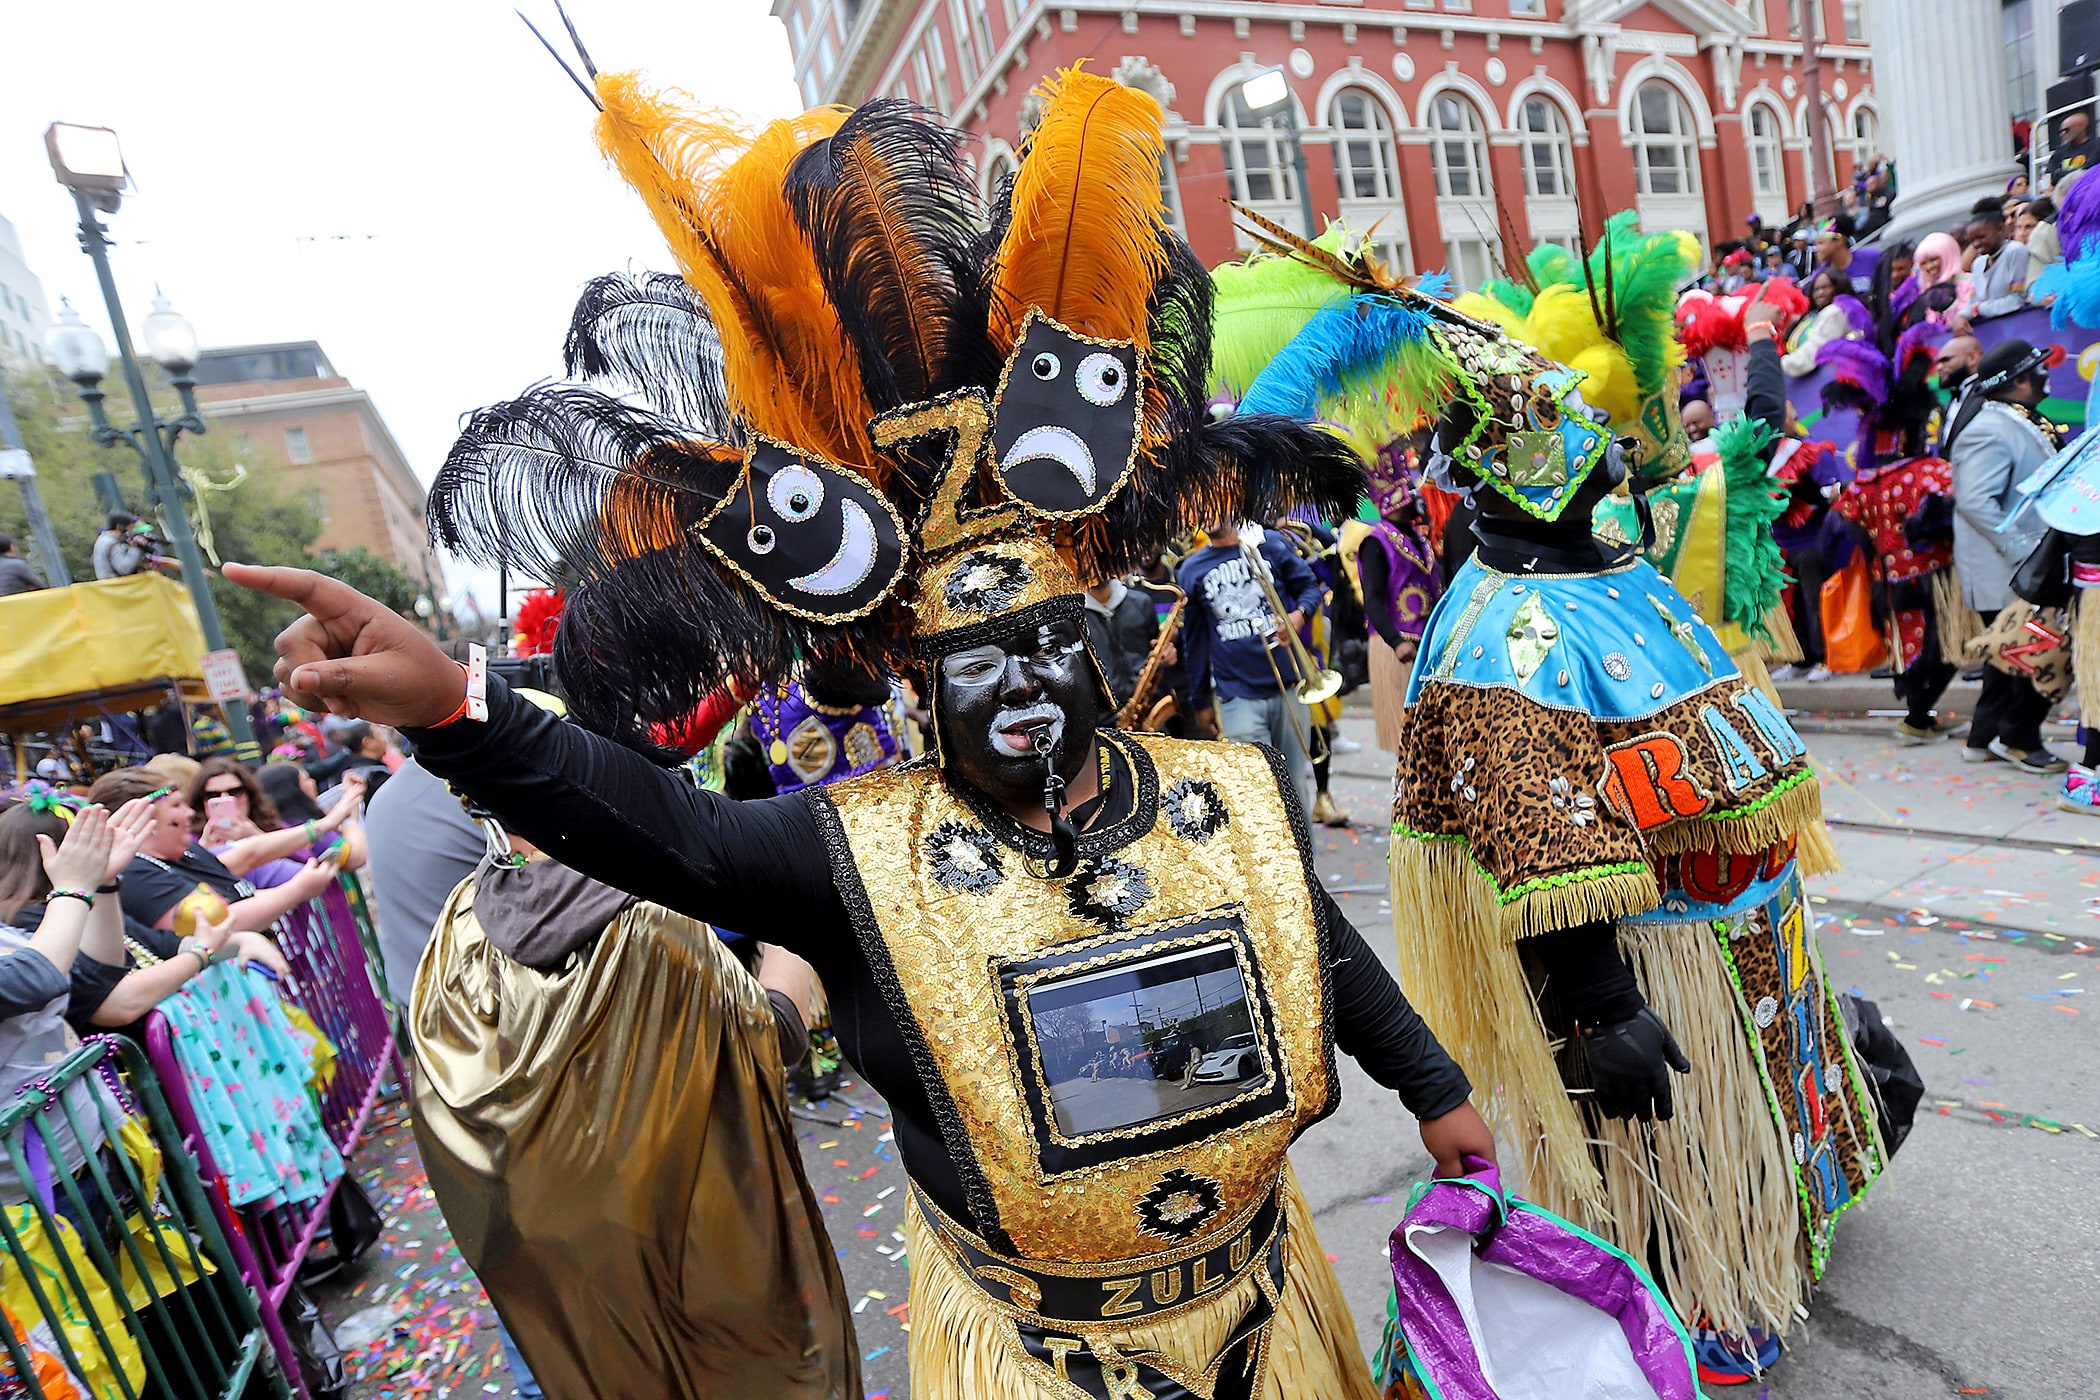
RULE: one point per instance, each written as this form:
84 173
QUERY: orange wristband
465 702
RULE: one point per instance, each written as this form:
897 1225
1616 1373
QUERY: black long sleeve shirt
760 867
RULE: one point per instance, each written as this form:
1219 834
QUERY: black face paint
814 538
1065 426
999 701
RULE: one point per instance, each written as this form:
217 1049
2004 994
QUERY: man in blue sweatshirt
1227 631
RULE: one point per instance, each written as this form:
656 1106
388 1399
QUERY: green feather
1756 574
1261 303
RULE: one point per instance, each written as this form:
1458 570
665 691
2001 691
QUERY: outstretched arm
593 805
1375 1026
597 807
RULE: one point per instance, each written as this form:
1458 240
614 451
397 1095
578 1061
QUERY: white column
1939 77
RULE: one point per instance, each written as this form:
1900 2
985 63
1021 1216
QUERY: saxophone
1133 709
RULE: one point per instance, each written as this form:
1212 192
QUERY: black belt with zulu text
1056 1306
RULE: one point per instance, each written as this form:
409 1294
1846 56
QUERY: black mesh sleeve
1374 1025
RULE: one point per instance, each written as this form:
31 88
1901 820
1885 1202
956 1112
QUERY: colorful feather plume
892 218
716 190
1373 350
1755 573
1082 234
1263 302
1612 315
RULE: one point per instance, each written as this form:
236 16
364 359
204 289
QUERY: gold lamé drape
612 1149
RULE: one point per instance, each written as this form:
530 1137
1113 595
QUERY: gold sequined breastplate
1118 1059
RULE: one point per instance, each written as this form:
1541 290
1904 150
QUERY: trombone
1315 683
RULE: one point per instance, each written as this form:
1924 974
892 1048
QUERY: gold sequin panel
952 906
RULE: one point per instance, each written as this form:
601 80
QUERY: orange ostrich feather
714 186
1084 242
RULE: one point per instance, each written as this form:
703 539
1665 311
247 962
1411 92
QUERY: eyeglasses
234 791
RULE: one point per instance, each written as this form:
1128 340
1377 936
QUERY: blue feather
2077 289
1340 342
1436 284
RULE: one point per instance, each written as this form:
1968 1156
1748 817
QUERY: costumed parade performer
992 409
1596 811
1392 566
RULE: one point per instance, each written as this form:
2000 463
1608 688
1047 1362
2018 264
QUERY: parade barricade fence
118 1281
329 943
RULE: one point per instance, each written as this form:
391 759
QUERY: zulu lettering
1166 1285
1119 1302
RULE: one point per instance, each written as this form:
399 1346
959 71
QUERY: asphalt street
1971 1269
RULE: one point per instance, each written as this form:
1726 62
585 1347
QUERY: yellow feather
1083 243
714 186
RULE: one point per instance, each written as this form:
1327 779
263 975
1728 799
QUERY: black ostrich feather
564 483
892 217
644 336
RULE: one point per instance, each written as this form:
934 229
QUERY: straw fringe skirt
1389 678
2085 657
963 1348
1713 1187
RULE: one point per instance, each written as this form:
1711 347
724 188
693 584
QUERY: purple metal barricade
333 982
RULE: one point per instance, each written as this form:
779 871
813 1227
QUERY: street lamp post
88 162
1267 93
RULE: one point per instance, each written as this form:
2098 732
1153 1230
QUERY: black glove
1627 1060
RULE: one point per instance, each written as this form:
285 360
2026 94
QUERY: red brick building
1430 118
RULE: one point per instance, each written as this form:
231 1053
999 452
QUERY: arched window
1258 155
1363 146
1549 161
1866 136
1366 169
998 169
1767 155
1170 189
1465 189
1459 149
1666 143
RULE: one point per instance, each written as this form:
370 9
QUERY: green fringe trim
1547 902
1792 804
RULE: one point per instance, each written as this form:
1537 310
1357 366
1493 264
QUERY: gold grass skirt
1714 1186
964 1348
1389 678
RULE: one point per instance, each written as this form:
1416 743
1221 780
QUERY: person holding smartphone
171 865
251 836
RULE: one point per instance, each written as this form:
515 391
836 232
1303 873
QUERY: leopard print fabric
1537 792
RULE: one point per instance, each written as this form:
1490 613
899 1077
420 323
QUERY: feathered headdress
1392 355
872 420
1612 316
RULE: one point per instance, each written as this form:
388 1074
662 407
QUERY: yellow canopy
118 644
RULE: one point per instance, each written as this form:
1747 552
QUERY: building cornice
1401 25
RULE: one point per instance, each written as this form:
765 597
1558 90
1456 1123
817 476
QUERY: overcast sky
411 184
